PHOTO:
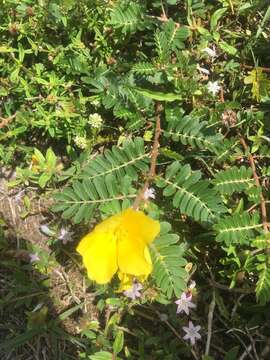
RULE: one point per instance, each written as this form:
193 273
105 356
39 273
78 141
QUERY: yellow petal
99 255
126 281
109 224
131 255
137 224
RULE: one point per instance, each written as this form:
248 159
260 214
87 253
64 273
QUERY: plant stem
257 182
154 154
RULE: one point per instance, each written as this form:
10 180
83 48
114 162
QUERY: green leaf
43 179
263 283
118 342
260 83
158 95
237 228
191 195
103 355
39 156
229 49
189 131
128 18
168 262
51 158
234 179
216 17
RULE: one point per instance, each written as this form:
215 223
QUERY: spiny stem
257 182
154 154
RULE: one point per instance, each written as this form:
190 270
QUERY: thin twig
235 290
5 121
266 69
210 323
237 303
154 155
257 182
164 15
252 341
232 331
176 333
246 352
224 287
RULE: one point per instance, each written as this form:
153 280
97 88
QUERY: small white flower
211 52
95 120
134 291
213 87
33 257
149 194
95 102
46 230
184 303
80 141
192 284
192 332
65 236
203 70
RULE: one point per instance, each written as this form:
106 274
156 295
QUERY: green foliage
233 180
263 283
260 83
127 17
42 170
80 201
191 195
157 95
237 228
170 39
188 130
80 82
168 261
127 160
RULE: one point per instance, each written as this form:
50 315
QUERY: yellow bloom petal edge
119 243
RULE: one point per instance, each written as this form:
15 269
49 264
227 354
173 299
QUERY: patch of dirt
13 212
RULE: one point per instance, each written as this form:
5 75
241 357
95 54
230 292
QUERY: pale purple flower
33 257
65 236
149 194
184 303
203 70
192 332
211 52
134 291
213 87
19 196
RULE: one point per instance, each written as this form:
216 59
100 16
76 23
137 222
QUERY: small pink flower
192 332
149 194
184 303
65 236
134 291
33 257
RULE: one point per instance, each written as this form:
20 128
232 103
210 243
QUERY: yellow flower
119 244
